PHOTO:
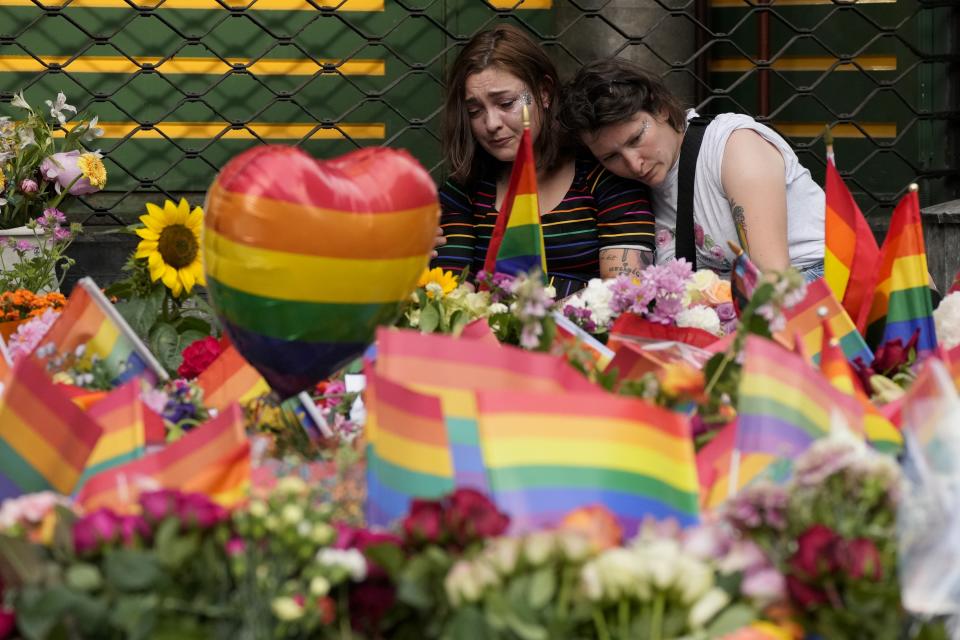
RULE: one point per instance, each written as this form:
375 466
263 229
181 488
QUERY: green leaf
543 584
135 615
525 629
429 318
174 549
131 570
197 325
165 343
468 624
388 556
84 577
39 611
730 619
140 313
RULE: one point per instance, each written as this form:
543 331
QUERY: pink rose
815 551
198 510
860 558
425 521
158 505
28 186
134 529
94 530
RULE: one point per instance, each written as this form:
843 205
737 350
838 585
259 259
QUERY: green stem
656 620
600 624
623 614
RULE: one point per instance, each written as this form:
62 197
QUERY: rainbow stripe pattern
408 455
213 459
743 281
878 430
784 406
45 439
453 370
516 245
805 325
303 258
86 322
121 416
550 453
901 301
851 253
230 378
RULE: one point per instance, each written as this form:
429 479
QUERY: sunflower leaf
165 344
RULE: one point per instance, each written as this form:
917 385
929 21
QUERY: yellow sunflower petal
197 269
148 234
183 211
157 214
156 265
186 277
153 223
169 277
145 248
195 220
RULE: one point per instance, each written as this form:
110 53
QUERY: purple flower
716 251
235 547
698 235
158 505
64 169
23 245
726 312
196 509
765 584
91 531
60 234
52 216
133 529
28 186
663 237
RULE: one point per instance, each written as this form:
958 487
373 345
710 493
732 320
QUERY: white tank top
712 218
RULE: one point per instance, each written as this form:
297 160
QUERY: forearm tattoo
625 262
740 222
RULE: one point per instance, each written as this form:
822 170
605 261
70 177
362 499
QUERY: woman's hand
438 240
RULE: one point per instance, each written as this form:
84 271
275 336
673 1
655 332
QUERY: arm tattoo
740 221
620 264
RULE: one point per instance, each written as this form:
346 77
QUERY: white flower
498 307
461 584
291 486
92 131
574 545
700 281
286 609
707 607
26 136
622 572
319 587
693 578
58 106
946 317
291 514
503 554
413 317
322 533
590 579
700 317
538 547
351 560
19 102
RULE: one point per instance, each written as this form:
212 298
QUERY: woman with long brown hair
595 224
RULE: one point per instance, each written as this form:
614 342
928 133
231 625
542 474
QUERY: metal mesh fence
180 86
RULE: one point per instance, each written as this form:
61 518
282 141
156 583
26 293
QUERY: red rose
369 602
470 515
425 522
803 594
860 558
893 354
198 356
815 551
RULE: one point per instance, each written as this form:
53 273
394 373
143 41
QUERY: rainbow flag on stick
516 245
550 453
805 323
851 254
453 369
879 430
213 459
230 378
743 279
89 320
45 439
784 406
901 302
121 415
408 455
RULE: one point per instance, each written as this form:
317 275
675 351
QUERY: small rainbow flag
550 453
453 369
743 279
121 416
784 406
90 321
901 300
516 245
45 439
713 466
213 459
851 254
230 378
408 455
879 431
805 323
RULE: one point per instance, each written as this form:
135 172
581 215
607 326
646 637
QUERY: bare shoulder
747 155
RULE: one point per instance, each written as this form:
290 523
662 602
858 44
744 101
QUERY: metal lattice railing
183 85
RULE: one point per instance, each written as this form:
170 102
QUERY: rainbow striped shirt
599 210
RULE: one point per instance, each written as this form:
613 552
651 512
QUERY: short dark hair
507 48
612 91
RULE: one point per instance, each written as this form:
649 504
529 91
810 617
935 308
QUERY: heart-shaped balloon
304 258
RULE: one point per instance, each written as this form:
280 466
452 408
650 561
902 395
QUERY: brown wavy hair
507 48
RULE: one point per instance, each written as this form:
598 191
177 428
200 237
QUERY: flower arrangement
24 303
891 372
36 173
33 269
30 333
158 298
444 303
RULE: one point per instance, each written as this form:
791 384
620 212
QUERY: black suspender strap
689 151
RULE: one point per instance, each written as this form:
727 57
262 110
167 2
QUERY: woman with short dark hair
595 224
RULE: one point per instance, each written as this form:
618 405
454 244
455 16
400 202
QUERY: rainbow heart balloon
304 258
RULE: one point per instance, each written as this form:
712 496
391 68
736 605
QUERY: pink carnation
30 333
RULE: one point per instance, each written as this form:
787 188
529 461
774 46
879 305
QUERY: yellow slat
267 130
260 5
727 4
119 64
812 130
808 63
528 4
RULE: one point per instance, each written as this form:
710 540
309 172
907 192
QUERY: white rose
503 554
946 317
707 607
350 560
319 587
700 317
460 584
498 307
590 580
286 609
538 547
694 578
574 546
291 514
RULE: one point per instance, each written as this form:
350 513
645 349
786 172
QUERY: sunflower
444 282
171 245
